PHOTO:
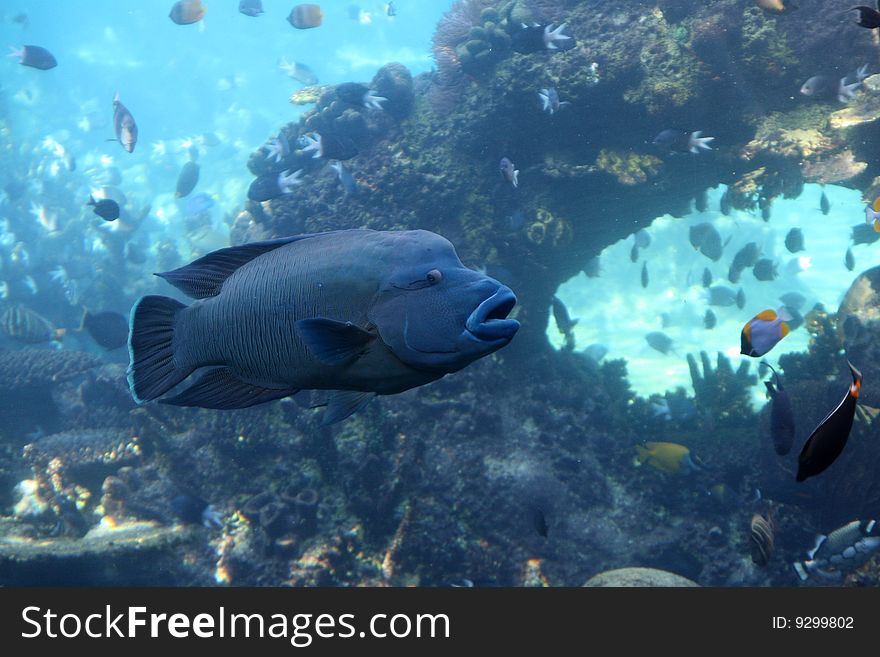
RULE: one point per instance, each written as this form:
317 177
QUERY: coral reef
35 368
720 392
639 577
629 168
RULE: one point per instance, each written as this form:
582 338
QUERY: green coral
628 167
765 50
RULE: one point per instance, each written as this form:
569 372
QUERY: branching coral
722 393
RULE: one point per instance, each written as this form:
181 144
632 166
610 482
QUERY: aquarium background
572 453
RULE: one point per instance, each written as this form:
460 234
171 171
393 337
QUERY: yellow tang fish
670 458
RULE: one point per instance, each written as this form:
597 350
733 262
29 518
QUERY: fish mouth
489 323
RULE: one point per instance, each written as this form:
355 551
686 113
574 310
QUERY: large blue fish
359 312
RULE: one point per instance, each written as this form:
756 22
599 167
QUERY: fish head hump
434 313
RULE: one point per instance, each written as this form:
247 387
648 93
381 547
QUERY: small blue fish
349 184
198 203
509 171
763 332
550 102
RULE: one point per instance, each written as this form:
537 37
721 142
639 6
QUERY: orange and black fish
828 439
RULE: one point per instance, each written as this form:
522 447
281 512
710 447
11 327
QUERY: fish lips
488 323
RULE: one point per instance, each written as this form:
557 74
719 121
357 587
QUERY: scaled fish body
709 319
252 8
824 203
550 102
824 86
781 416
186 12
346 179
724 203
746 256
271 185
644 274
765 270
868 17
827 441
124 125
762 332
35 57
683 142
359 312
564 323
303 17
670 458
721 295
846 548
25 325
707 277
849 260
762 539
106 208
187 179
659 341
705 238
794 240
108 329
509 171
537 38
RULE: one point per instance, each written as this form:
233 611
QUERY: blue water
519 462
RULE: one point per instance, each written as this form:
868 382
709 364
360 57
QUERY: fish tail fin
16 52
152 371
846 91
801 570
92 200
783 314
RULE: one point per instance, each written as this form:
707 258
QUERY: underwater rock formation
40 368
132 554
639 577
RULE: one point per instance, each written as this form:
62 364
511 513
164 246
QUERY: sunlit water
616 311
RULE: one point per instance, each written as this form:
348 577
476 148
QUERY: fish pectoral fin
219 388
343 403
204 277
333 342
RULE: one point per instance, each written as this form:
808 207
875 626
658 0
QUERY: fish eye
434 276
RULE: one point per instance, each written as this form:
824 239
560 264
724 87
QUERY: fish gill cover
520 469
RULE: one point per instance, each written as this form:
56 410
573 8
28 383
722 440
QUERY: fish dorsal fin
204 277
343 403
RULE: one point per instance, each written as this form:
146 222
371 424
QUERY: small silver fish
124 125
